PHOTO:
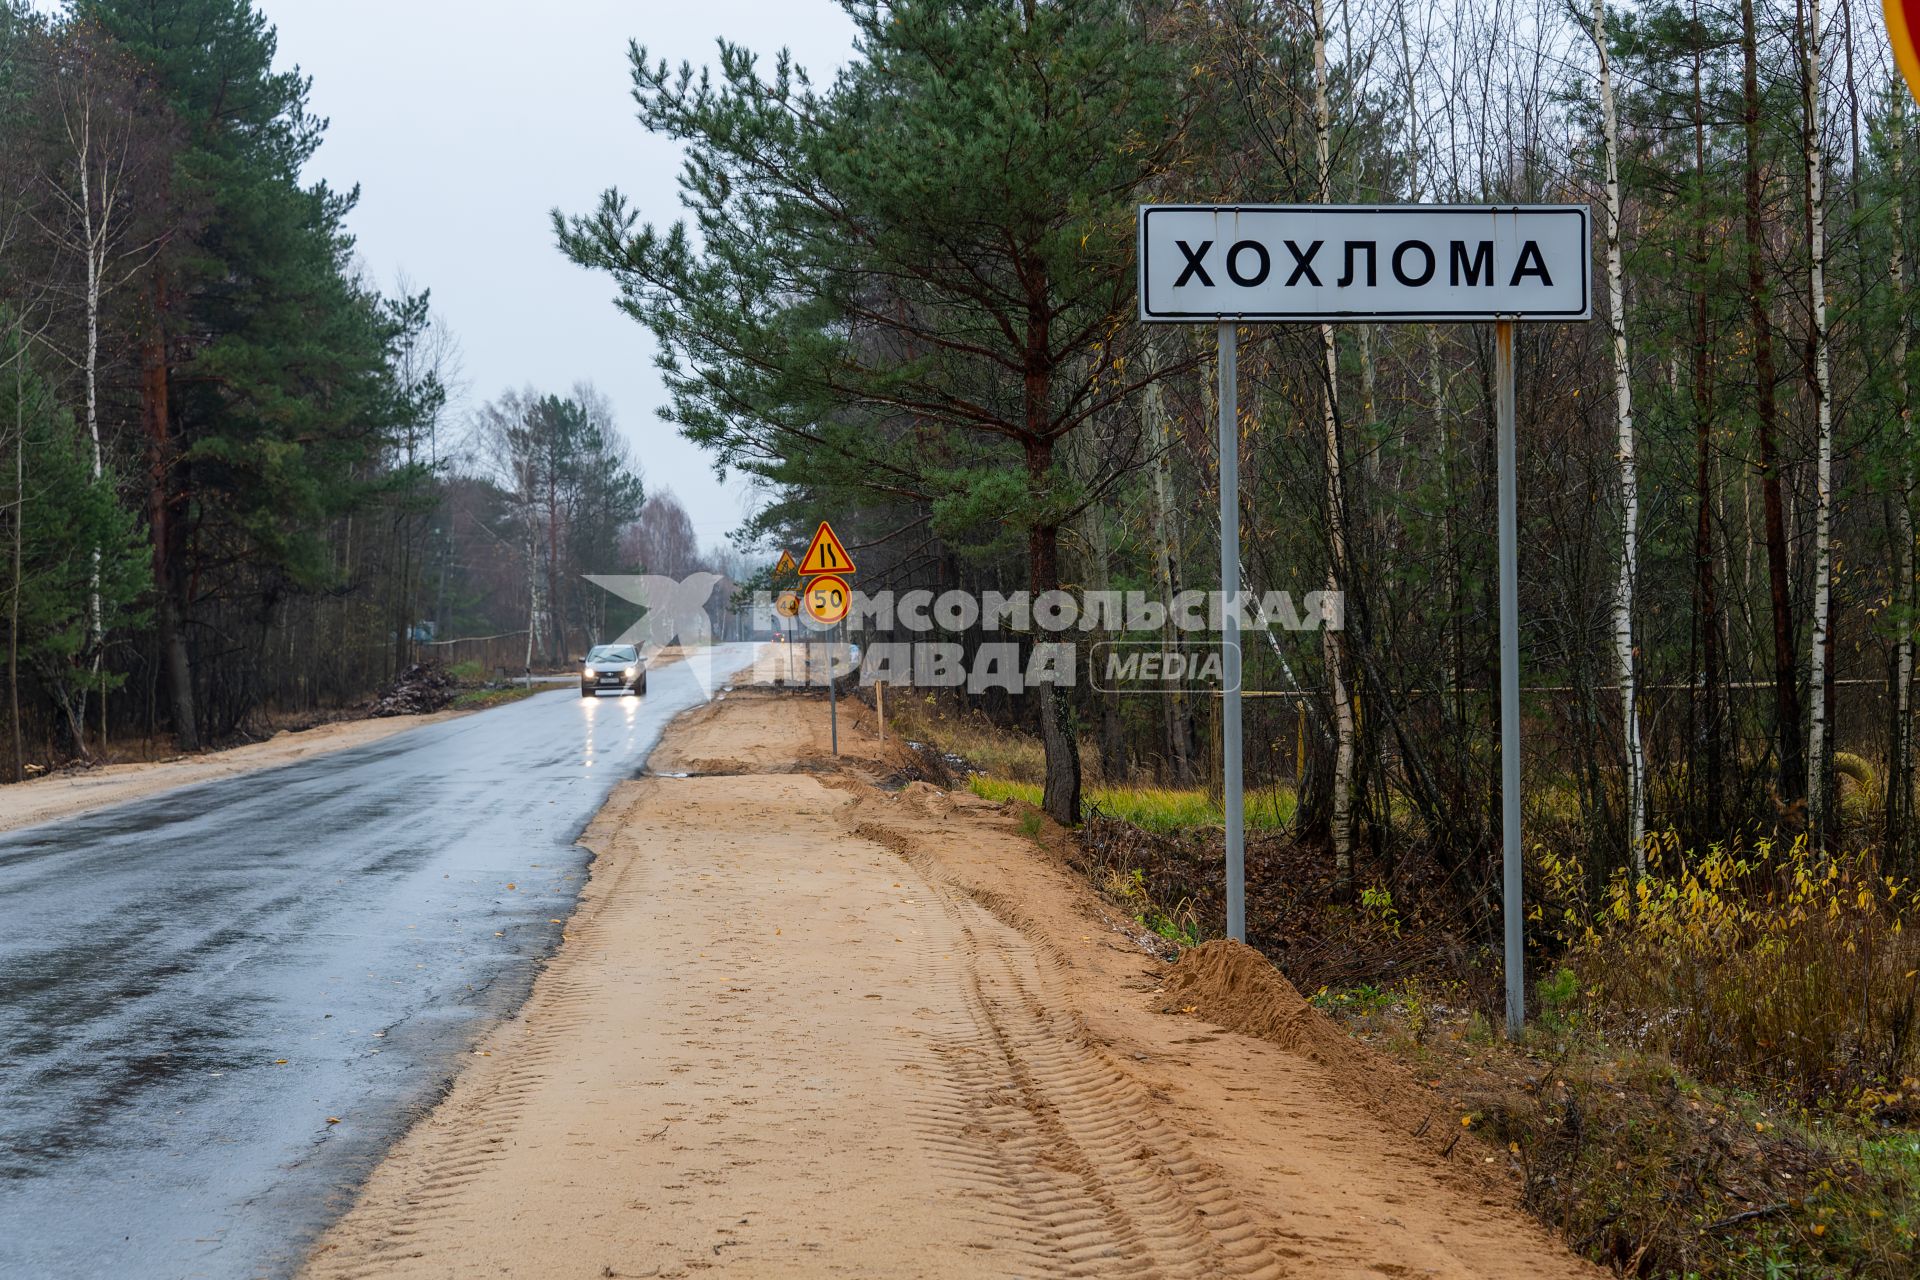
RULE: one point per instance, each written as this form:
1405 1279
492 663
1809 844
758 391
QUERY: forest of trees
907 297
238 476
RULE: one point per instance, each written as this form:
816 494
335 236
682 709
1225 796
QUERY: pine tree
917 282
265 386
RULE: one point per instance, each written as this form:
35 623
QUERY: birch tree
1623 646
93 202
1822 374
1332 642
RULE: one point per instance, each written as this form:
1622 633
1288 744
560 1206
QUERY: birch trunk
96 241
1623 649
1340 826
1818 748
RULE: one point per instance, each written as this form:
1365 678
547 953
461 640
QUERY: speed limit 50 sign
827 599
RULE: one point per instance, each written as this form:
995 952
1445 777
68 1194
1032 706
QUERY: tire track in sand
1047 1135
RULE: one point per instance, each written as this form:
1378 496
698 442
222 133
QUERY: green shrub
1558 991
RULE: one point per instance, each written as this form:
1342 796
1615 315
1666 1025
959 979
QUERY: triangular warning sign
825 554
786 563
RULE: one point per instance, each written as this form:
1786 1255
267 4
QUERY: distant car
615 667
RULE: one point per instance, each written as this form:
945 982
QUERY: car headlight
632 672
586 671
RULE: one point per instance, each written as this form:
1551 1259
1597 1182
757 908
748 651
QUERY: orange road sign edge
1903 17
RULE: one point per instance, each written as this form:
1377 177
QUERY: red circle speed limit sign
788 604
827 599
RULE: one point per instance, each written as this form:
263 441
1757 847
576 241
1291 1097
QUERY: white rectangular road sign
1382 263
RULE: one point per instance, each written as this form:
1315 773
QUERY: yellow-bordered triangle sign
786 563
826 553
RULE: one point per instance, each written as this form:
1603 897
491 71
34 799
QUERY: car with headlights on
615 668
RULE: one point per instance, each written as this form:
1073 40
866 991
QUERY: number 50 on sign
827 599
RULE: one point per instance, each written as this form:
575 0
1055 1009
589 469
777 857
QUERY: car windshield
611 653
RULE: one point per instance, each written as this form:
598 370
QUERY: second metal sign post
1374 264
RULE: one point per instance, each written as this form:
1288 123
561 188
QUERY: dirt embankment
804 1026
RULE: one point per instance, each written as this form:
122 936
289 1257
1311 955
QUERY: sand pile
1232 985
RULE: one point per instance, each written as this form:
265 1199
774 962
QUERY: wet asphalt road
351 914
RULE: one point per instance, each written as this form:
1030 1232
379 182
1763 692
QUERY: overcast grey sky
465 121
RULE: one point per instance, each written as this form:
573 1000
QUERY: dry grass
922 717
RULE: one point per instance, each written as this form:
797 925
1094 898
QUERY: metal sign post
1510 905
1233 801
1375 264
785 607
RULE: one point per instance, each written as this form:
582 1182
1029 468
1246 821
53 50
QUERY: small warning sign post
787 606
785 566
827 599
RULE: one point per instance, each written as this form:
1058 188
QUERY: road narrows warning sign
826 553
